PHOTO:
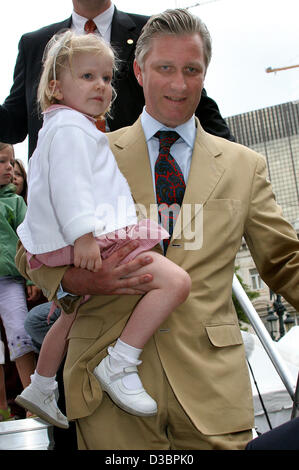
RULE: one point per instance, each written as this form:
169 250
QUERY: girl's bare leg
25 366
54 346
38 397
170 287
3 397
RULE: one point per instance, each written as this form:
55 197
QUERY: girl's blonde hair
3 145
58 56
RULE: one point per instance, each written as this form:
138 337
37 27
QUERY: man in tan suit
194 366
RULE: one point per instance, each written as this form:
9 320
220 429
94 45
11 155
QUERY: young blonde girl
80 210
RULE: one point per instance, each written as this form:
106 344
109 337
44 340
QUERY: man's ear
55 89
138 73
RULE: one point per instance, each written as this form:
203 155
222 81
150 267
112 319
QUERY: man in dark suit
19 115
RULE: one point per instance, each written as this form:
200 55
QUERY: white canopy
276 399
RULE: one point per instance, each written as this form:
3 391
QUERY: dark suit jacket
19 113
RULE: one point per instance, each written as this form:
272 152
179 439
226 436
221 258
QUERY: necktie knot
90 26
167 139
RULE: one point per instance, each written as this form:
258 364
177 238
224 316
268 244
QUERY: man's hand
111 278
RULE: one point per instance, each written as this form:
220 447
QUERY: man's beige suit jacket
200 345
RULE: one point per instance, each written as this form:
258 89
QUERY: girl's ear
55 89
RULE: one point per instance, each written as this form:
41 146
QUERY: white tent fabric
288 346
264 377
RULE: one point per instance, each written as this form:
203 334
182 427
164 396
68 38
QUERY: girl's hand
33 293
87 253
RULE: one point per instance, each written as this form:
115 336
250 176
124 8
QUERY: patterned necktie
170 184
90 26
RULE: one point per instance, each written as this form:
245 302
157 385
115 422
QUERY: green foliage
251 295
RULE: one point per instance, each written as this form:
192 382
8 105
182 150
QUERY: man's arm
13 112
110 280
271 239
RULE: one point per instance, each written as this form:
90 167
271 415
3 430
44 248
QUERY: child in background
20 179
13 308
75 191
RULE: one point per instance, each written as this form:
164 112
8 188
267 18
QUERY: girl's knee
170 277
180 285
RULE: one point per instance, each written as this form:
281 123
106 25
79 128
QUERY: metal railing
267 342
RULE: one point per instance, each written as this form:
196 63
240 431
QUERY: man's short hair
172 22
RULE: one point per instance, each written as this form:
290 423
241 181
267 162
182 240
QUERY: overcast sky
248 36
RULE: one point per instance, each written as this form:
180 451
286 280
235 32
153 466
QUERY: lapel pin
130 41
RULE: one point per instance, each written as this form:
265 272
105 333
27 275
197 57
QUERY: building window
256 281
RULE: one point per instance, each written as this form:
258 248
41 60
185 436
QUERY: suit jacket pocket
224 335
86 327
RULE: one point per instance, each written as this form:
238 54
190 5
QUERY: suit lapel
131 152
205 173
59 27
123 34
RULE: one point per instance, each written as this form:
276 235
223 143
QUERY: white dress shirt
181 150
103 22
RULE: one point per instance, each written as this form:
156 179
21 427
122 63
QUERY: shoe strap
122 356
49 398
126 371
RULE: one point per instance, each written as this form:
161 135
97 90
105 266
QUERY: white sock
46 385
124 355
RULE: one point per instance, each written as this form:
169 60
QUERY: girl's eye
107 79
12 163
87 76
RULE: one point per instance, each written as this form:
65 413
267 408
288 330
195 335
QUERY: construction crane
177 2
200 3
269 69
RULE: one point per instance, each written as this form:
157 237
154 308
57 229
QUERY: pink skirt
147 232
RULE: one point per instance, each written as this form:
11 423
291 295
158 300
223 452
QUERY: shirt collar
103 21
186 131
55 107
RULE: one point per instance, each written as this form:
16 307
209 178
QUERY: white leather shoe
42 405
136 402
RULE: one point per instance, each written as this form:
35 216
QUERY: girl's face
18 179
87 86
6 165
